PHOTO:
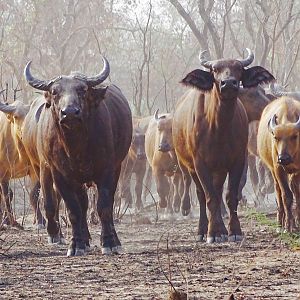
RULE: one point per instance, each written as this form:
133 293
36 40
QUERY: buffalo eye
54 92
81 91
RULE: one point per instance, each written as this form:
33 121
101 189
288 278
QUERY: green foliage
292 240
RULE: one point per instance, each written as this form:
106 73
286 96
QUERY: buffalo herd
80 132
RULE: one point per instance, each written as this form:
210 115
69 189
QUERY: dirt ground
261 267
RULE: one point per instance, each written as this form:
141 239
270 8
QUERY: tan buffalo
279 148
210 136
14 160
135 163
162 159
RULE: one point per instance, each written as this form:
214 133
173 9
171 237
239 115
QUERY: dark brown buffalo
255 99
210 135
83 134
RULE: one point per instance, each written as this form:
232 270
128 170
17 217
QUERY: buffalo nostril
284 160
223 82
77 111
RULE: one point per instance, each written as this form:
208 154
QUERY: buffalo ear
254 76
98 94
199 79
39 111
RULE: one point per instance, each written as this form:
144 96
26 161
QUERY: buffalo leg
147 184
234 227
266 183
215 222
50 205
69 193
139 178
186 199
107 187
177 186
287 198
163 188
243 179
279 201
125 179
253 173
218 181
84 203
295 185
7 196
35 204
203 221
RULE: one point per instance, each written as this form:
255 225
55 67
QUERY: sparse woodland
150 44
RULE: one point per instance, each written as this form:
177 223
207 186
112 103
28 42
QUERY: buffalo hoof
216 239
57 240
176 209
79 252
201 238
210 240
235 238
106 251
185 212
117 250
71 252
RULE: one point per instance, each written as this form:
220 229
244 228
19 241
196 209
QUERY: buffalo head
138 144
286 140
68 95
164 132
226 75
16 113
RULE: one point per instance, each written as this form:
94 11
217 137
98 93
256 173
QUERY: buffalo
278 144
255 99
84 132
15 162
210 136
162 159
135 163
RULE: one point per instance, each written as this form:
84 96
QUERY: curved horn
203 61
273 123
34 82
6 108
95 80
156 115
248 60
297 124
278 91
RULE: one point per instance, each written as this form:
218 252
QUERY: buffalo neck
220 111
